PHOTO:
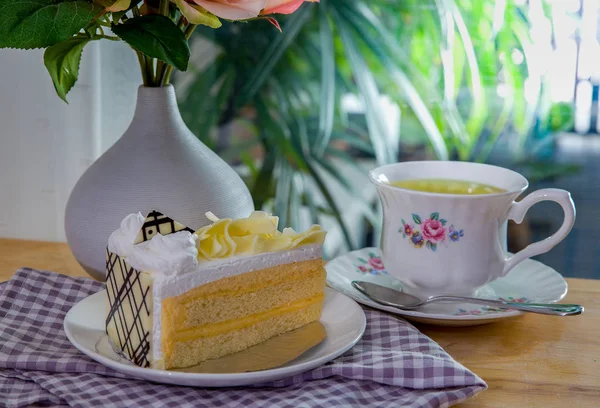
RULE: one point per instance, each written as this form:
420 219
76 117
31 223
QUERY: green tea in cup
447 186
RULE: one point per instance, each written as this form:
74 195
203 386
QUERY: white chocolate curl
248 236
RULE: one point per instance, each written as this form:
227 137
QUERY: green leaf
354 141
363 260
114 6
42 23
263 69
332 204
248 161
294 203
261 190
435 216
443 221
62 62
361 17
309 199
367 85
327 81
416 218
157 37
283 190
116 16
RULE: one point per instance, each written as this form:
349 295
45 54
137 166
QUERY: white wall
45 144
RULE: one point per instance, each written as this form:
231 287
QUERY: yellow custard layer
238 296
211 330
192 352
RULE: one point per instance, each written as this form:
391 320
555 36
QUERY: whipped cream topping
182 252
121 241
166 254
163 254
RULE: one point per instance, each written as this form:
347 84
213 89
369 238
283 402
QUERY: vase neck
158 106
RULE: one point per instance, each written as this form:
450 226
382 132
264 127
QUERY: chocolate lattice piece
129 321
157 222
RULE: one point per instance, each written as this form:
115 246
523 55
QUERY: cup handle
518 210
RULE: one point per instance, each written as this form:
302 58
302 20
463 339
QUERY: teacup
453 244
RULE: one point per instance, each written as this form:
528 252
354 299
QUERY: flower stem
146 63
164 7
108 37
150 71
181 22
166 75
142 67
189 30
160 71
161 66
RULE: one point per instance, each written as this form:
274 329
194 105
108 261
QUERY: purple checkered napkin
393 365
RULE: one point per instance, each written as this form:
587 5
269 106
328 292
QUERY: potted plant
158 162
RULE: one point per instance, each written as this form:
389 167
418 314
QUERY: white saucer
344 322
530 281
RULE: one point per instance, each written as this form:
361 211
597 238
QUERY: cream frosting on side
175 285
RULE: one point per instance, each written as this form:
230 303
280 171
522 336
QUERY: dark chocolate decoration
157 222
126 292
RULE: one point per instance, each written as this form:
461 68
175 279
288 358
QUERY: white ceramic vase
157 164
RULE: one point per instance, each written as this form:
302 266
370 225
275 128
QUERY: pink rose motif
376 263
433 230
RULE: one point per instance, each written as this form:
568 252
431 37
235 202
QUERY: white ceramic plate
530 281
344 322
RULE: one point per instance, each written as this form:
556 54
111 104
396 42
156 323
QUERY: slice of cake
178 297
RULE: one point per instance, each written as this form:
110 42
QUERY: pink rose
233 9
283 6
245 9
376 263
433 230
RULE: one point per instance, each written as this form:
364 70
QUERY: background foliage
466 76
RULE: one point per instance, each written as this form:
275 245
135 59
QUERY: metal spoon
404 301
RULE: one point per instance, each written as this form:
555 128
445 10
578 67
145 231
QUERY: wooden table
528 361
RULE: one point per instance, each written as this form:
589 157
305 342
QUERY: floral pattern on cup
373 265
429 232
483 310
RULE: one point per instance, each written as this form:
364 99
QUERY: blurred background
348 85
